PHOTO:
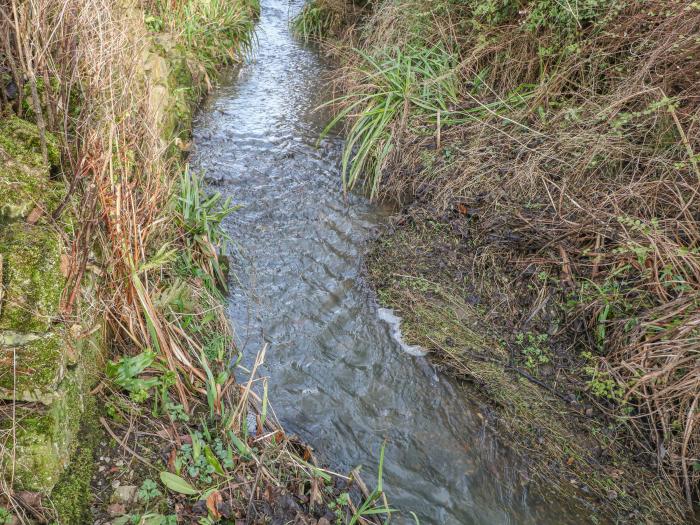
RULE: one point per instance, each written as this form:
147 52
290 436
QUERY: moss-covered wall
47 365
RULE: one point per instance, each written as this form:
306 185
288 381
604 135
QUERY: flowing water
339 376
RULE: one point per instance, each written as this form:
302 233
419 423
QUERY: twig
125 446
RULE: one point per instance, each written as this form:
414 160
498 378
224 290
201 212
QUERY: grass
393 87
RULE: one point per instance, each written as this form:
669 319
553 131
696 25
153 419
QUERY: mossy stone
32 280
25 181
46 438
40 363
71 496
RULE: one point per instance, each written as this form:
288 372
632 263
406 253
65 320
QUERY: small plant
531 347
601 384
369 507
148 490
177 412
125 374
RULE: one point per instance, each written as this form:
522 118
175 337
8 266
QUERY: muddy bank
483 323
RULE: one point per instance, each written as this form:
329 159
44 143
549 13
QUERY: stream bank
532 259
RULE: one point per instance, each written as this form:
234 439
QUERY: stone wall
47 362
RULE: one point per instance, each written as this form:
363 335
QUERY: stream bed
339 376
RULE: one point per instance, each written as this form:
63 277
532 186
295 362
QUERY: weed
149 491
533 349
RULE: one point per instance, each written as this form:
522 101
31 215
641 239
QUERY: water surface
339 378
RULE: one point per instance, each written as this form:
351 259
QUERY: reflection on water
339 377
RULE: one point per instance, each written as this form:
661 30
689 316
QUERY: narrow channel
338 376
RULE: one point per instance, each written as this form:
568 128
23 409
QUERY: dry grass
591 171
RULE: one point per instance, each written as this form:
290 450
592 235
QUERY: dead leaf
462 209
570 461
171 459
116 509
213 502
65 265
315 492
34 215
31 500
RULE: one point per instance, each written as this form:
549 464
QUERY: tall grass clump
216 31
391 90
320 19
570 148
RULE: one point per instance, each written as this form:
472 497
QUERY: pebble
125 494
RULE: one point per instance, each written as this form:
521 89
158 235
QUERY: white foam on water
394 321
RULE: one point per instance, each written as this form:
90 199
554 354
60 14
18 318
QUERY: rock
125 494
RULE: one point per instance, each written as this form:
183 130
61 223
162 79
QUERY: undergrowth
569 148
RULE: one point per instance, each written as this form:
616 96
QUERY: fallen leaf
213 502
116 509
315 492
31 500
65 265
177 484
171 459
34 215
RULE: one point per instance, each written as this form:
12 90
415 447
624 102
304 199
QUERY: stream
339 377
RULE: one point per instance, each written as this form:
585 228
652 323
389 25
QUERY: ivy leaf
177 484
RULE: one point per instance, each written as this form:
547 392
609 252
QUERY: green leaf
177 484
243 448
213 460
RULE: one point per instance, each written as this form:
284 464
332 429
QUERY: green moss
41 363
24 177
22 140
71 497
32 278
